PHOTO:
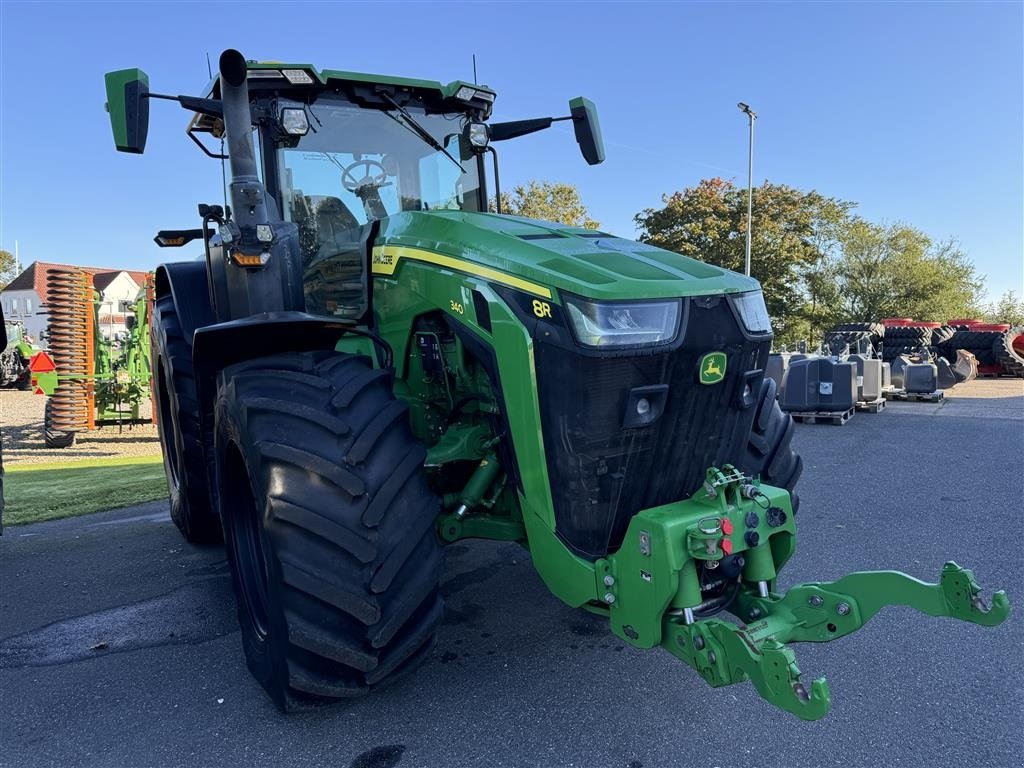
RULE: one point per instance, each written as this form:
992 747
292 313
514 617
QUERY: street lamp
751 116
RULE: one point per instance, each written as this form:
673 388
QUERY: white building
25 298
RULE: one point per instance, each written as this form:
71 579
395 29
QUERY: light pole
751 116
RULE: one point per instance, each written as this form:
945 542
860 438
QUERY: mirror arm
517 128
208 107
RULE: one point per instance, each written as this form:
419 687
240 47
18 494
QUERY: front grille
601 473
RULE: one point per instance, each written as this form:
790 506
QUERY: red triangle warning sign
41 363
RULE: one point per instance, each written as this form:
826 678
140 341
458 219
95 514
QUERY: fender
186 283
215 347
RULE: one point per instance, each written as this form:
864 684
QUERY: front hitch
654 587
724 653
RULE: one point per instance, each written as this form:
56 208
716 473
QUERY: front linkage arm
725 653
664 546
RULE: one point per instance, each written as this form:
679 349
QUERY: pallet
920 397
872 406
836 418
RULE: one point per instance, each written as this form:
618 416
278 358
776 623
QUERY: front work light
478 135
623 323
752 311
294 121
468 93
297 76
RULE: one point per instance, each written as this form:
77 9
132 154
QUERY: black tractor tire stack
329 525
941 335
851 333
1012 363
185 450
981 344
770 451
904 340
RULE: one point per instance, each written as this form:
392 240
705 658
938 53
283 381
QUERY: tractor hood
585 262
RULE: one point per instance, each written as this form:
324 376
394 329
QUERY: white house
25 298
118 291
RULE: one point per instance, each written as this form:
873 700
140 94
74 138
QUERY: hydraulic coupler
720 550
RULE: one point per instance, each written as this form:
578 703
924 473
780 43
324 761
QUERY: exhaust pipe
262 271
248 199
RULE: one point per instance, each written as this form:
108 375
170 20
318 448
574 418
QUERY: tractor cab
340 151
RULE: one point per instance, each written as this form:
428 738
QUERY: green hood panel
581 261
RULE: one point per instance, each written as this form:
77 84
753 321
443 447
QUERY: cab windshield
356 165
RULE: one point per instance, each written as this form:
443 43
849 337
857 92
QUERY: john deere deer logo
712 368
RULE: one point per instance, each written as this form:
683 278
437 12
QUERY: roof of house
34 277
101 280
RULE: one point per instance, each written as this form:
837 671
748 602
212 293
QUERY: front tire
181 439
329 526
770 451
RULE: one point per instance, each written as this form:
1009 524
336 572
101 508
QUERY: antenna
475 81
209 69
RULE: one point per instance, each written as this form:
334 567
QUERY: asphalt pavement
120 646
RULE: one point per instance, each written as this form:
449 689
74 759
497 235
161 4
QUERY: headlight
297 76
294 121
752 311
478 136
468 94
623 323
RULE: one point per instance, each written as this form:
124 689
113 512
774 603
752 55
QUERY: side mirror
128 105
588 129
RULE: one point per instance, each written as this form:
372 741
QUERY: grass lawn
36 492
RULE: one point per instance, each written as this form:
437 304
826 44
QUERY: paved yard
120 643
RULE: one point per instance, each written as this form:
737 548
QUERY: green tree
1008 309
8 268
793 233
547 201
895 270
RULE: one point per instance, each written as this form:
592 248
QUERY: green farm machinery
89 381
15 356
369 365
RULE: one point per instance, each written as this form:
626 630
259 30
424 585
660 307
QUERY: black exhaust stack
262 267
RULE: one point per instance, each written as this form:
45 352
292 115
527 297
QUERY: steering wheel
369 177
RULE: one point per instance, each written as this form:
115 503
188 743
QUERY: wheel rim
166 426
245 537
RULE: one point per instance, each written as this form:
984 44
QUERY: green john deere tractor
370 365
14 357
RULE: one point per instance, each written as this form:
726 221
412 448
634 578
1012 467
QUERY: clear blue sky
912 110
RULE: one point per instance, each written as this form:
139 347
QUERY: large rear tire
329 526
1009 359
770 451
24 380
181 438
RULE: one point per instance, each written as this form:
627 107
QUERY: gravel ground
21 425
